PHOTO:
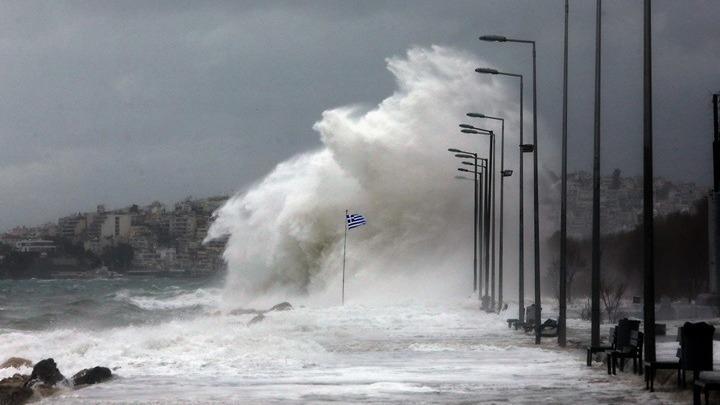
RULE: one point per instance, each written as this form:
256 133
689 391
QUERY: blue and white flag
355 220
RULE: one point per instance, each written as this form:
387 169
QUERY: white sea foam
401 353
389 163
172 299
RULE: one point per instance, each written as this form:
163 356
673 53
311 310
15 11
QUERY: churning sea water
172 341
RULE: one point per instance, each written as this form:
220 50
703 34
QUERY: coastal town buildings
169 239
620 202
161 239
35 246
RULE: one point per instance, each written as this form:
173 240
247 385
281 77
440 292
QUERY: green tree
118 257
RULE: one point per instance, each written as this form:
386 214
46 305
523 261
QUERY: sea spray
389 163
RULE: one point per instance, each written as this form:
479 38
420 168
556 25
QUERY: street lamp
483 218
489 214
536 220
595 267
562 287
460 153
493 38
502 201
521 204
648 224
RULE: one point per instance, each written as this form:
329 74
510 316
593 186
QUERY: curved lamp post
521 204
536 219
475 216
481 173
502 199
489 215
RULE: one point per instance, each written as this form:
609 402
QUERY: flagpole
344 249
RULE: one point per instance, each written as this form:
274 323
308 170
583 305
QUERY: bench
514 323
591 350
705 382
652 366
631 351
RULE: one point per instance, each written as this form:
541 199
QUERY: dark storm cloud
121 102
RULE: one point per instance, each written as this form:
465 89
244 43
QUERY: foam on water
390 163
174 299
395 353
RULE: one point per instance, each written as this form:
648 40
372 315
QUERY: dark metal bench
696 348
634 351
694 354
619 337
652 366
591 350
705 382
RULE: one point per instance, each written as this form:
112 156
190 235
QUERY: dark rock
45 371
16 362
45 390
10 395
91 376
283 306
256 319
243 311
17 379
13 390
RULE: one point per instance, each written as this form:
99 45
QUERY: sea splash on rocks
44 381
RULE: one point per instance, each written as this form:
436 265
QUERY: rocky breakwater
44 381
283 306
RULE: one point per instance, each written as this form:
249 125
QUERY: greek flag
355 220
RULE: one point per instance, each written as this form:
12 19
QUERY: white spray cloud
389 163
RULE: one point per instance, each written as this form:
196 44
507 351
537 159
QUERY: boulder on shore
45 372
243 311
256 319
10 395
42 383
91 376
283 306
16 362
13 390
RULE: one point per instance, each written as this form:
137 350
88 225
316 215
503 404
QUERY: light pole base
486 303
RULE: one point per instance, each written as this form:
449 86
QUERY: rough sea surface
170 341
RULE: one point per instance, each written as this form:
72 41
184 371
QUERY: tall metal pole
492 206
562 323
716 143
498 38
595 277
536 208
475 231
494 173
648 228
714 202
521 223
344 250
477 276
481 232
502 202
487 230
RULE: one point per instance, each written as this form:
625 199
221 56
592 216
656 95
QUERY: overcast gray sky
132 101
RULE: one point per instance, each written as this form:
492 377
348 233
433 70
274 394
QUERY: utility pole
562 335
595 276
648 225
714 203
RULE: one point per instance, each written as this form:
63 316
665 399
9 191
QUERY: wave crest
388 163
